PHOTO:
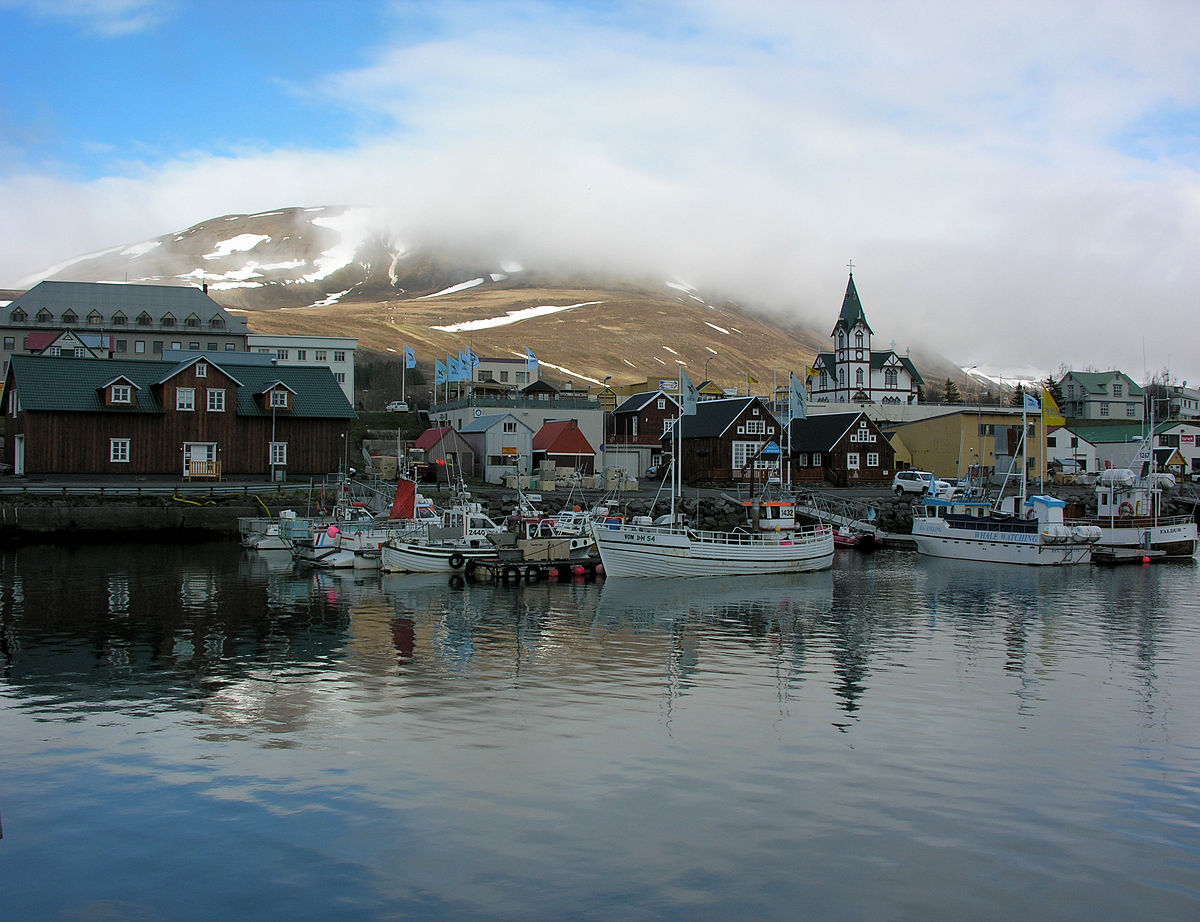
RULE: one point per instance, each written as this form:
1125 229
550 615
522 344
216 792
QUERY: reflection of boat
1129 514
644 550
773 594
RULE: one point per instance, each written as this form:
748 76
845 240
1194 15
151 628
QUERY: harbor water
196 732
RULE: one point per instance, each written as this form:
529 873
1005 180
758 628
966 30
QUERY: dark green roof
852 310
714 417
76 385
821 432
1097 382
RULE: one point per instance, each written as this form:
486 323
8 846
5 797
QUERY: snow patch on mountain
238 244
461 286
511 317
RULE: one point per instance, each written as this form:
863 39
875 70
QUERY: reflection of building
853 373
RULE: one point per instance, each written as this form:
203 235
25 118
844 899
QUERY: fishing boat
462 535
641 549
1129 514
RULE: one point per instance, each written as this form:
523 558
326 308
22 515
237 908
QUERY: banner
439 375
410 358
797 398
1031 404
531 361
690 394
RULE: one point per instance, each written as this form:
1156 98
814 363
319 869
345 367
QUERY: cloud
1014 179
110 18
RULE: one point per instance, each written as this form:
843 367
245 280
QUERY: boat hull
655 552
411 557
1024 549
1175 538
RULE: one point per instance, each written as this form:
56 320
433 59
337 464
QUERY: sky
1017 184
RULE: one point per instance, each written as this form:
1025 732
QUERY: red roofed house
562 442
444 444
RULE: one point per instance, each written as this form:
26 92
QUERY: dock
517 569
1117 556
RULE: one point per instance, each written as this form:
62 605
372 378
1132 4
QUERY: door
19 455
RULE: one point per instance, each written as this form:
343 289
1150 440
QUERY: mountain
337 271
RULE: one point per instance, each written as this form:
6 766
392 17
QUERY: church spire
852 310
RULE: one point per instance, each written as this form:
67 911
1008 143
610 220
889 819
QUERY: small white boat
640 549
1022 530
1129 515
462 535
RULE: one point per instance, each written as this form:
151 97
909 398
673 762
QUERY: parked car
397 406
910 481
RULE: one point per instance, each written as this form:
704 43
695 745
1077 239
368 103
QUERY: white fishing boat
1022 530
461 535
640 549
1129 514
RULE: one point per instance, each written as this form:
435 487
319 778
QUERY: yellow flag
751 378
1051 414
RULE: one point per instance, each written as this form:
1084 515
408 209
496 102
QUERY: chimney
205 287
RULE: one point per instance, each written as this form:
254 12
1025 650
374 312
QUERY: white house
502 444
1072 451
334 352
1102 395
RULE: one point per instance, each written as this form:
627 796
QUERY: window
176 344
122 393
10 343
119 319
18 316
281 354
301 355
55 350
340 377
889 377
201 369
191 321
1130 409
279 398
157 346
858 339
858 378
216 400
872 459
744 451
802 459
755 427
80 352
217 323
503 376
122 345
139 346
118 451
321 355
816 459
94 319
168 320
279 452
510 425
522 377
143 319
1051 441
1118 390
195 347
852 460
662 404
229 347
70 317
212 347
339 356
841 377
185 398
1104 408
44 316
264 351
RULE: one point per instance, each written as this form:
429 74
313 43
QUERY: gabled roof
111 297
430 437
76 385
484 423
111 381
852 310
179 367
39 340
1097 382
562 437
539 386
826 359
635 403
821 433
274 385
714 417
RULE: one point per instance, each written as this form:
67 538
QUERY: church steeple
852 310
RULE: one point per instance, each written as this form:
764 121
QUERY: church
853 373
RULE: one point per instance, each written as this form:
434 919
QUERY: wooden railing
203 469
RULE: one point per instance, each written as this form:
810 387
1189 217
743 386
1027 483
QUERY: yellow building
954 442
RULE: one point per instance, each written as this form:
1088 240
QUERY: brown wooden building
643 418
209 415
840 448
729 439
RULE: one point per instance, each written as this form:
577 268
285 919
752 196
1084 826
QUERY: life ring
533 574
512 573
456 561
1125 510
1029 514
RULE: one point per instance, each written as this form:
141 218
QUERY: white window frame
185 399
278 454
852 461
872 459
216 400
279 399
119 451
122 393
201 369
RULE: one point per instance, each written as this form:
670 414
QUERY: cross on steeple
851 265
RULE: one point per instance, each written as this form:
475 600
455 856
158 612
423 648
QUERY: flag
410 358
1031 403
439 375
531 361
455 368
472 358
797 398
690 394
464 365
750 379
1051 414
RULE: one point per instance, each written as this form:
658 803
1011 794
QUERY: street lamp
706 361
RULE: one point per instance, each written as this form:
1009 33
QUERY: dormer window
217 323
143 319
121 393
18 316
95 319
119 319
168 320
70 317
191 321
279 399
44 316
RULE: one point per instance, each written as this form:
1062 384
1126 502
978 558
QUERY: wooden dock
1118 556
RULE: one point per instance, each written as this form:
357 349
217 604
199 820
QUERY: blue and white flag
455 368
472 358
689 393
1031 404
439 375
410 358
531 361
797 398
